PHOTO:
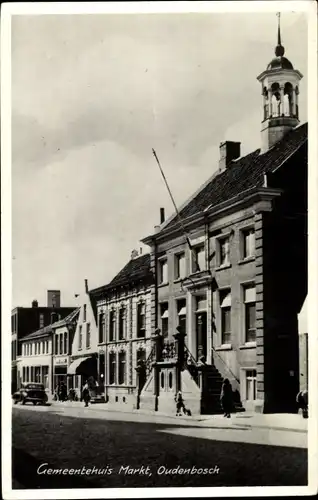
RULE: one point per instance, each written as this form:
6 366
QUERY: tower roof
279 62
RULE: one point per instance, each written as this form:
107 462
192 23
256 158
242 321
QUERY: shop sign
60 361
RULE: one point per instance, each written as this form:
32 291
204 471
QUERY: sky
91 96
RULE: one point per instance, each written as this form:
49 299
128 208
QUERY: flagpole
175 206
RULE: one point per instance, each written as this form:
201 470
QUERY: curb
208 419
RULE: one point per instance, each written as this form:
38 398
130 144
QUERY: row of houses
216 297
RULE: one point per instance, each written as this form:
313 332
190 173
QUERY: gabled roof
242 174
135 270
46 330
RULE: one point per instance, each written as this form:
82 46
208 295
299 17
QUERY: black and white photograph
158 210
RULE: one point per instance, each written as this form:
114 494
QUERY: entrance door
201 334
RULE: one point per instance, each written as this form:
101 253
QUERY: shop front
60 365
81 370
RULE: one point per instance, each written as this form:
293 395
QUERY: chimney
162 215
35 303
53 298
229 151
86 286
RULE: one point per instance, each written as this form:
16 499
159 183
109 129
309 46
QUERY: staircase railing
226 366
149 361
191 364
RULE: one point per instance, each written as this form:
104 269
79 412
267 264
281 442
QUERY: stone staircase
210 402
200 383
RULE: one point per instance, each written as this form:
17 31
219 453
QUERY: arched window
122 323
288 99
266 105
122 368
276 104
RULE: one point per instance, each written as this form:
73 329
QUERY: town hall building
230 280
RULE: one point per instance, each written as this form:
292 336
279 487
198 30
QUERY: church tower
280 89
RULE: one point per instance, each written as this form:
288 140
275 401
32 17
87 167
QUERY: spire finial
279 51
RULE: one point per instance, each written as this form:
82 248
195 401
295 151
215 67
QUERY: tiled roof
66 320
242 174
39 333
135 270
49 328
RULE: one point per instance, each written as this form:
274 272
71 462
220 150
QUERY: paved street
112 444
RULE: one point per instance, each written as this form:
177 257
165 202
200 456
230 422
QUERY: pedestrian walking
302 401
226 398
85 394
62 392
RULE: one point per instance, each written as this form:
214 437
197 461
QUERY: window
65 343
250 385
248 243
179 266
61 344
112 325
80 337
112 368
225 303
164 315
182 314
45 380
250 313
47 346
101 328
198 259
84 312
224 245
23 374
41 321
163 271
122 323
88 335
122 368
37 375
141 320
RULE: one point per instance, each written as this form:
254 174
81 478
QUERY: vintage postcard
159 215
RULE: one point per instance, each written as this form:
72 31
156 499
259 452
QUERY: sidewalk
283 422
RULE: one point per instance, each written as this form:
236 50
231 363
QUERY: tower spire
279 50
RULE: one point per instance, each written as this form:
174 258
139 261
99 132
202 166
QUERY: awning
73 368
183 311
226 302
250 294
165 314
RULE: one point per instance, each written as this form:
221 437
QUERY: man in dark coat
226 398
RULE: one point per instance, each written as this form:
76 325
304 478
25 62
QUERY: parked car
31 392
